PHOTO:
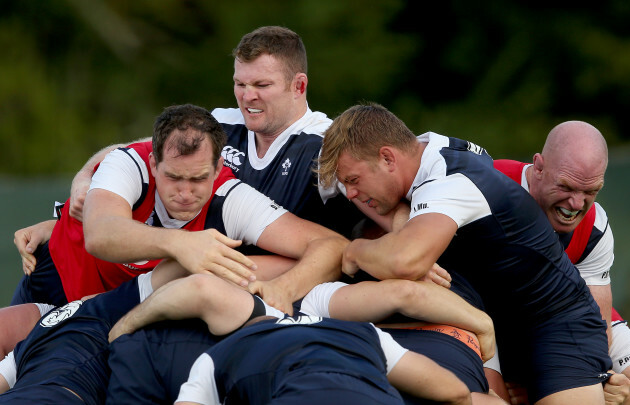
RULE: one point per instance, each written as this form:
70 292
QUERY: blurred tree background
76 75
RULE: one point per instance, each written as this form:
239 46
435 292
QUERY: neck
263 143
412 165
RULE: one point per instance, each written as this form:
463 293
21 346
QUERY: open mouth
254 110
567 215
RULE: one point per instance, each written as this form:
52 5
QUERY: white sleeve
392 350
246 211
122 172
595 267
8 369
316 302
454 196
201 387
144 285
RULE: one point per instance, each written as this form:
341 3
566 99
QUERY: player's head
360 149
183 128
569 172
283 44
186 158
270 79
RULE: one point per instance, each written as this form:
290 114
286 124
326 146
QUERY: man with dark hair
136 211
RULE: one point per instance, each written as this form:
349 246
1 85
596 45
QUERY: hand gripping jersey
83 274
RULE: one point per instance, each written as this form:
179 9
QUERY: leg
16 322
419 300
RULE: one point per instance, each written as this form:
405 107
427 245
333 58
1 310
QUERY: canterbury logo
232 157
475 148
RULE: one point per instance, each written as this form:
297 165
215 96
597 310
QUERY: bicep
424 238
100 203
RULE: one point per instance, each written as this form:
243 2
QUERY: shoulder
314 123
230 116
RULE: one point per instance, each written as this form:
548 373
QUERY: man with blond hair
473 220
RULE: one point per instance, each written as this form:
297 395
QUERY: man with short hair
477 222
139 200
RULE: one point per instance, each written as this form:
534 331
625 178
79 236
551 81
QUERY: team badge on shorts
59 315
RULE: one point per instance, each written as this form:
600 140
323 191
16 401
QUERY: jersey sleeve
595 268
122 172
201 386
454 196
8 369
393 351
247 212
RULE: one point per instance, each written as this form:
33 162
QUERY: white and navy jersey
68 346
597 258
248 366
241 212
504 244
286 172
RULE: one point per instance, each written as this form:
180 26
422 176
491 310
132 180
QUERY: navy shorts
446 351
48 394
561 353
332 388
43 285
150 365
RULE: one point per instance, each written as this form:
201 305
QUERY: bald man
565 179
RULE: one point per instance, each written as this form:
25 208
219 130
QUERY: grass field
26 201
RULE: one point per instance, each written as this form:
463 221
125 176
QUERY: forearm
603 296
378 258
320 263
124 240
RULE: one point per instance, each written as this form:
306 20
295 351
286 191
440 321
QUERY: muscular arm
408 253
222 305
112 234
82 180
603 296
318 251
422 377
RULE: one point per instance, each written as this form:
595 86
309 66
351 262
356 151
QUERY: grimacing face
368 182
184 183
264 96
566 197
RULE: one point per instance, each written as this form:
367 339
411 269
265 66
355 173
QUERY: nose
185 190
577 201
351 192
249 93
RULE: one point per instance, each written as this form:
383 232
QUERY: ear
538 165
153 164
299 84
217 169
387 155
